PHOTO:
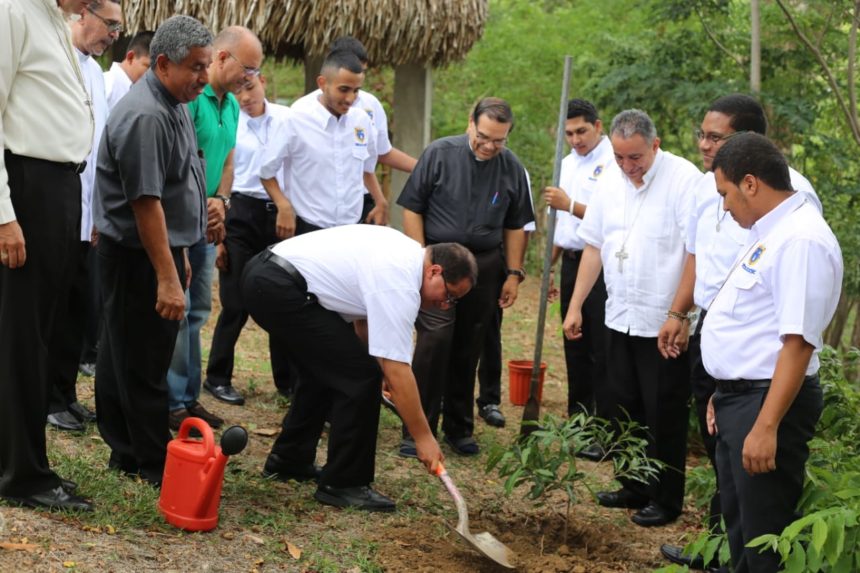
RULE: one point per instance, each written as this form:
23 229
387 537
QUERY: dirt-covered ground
268 526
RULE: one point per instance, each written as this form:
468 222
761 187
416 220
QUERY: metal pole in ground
532 410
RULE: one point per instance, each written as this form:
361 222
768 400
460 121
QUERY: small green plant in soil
546 460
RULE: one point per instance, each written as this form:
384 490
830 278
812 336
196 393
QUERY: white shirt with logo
324 160
786 280
579 177
716 250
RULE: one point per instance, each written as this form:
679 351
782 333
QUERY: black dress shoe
277 468
358 497
65 420
57 498
676 555
68 485
88 369
652 515
593 453
621 498
492 415
82 413
225 393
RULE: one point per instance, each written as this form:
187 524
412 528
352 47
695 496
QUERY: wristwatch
225 199
519 273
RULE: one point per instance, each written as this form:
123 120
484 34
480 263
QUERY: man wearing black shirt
468 189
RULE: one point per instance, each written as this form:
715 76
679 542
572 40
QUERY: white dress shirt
715 238
371 106
650 224
579 177
94 81
117 84
787 280
364 271
324 158
44 109
252 137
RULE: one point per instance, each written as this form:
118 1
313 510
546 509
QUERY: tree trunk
833 333
755 47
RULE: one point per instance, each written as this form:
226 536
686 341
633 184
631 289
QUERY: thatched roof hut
395 32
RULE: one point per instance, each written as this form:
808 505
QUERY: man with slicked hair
634 230
45 147
149 208
468 189
760 343
713 241
121 75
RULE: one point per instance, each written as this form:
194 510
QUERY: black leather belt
78 168
739 386
238 195
269 255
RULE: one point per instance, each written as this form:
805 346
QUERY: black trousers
448 346
764 503
69 333
585 358
654 392
250 229
134 355
490 364
47 201
337 379
93 313
703 387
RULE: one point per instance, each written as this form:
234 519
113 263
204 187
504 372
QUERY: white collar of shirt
650 175
321 113
765 225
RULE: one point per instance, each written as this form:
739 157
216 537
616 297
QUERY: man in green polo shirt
237 57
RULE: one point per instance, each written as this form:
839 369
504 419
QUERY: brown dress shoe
198 411
175 418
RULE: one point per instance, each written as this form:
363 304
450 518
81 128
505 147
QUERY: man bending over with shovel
344 301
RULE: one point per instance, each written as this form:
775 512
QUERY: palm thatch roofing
434 32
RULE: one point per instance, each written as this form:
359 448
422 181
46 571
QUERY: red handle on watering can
205 430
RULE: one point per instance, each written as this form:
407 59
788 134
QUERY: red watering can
193 474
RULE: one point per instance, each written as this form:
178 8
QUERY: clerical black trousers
337 380
654 392
764 503
69 332
47 201
585 358
448 346
135 350
250 229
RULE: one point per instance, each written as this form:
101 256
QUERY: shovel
532 410
484 542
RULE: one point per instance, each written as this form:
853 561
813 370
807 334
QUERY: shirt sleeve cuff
7 212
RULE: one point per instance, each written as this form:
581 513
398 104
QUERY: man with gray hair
149 208
635 230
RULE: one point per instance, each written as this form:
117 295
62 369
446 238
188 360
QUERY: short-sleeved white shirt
787 280
252 137
716 250
117 84
639 296
364 271
579 177
324 160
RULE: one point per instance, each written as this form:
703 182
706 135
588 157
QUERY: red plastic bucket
519 380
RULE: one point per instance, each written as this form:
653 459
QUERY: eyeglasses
450 299
714 138
112 25
250 72
482 139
